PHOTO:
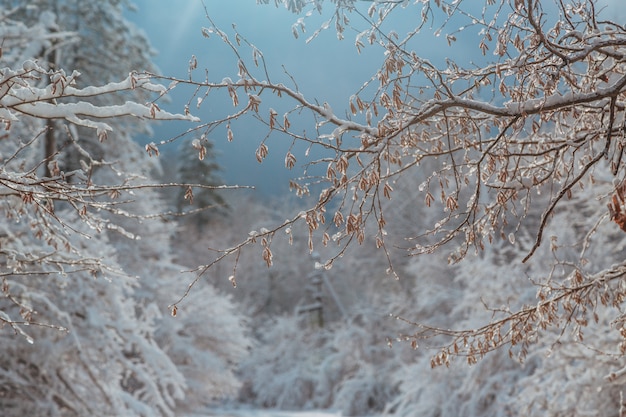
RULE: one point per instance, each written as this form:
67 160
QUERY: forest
452 243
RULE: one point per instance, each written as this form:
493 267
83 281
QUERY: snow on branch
494 148
20 94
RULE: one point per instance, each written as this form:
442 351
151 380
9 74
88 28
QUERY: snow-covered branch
19 94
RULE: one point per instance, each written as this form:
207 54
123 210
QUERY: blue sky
326 68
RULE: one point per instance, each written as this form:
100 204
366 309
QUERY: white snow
265 413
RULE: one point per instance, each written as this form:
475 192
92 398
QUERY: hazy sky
325 69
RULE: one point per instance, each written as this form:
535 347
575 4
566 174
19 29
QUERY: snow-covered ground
265 413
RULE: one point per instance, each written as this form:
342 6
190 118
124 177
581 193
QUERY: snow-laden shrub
78 347
346 366
287 368
206 341
575 370
361 350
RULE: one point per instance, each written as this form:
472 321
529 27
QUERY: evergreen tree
201 168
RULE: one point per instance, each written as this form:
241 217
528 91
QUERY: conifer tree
199 168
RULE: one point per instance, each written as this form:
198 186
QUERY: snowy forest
453 242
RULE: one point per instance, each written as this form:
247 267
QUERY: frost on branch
60 99
494 147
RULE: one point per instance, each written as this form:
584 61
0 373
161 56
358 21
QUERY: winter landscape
309 208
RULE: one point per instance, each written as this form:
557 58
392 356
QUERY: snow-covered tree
104 359
346 365
102 46
557 372
32 95
83 332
